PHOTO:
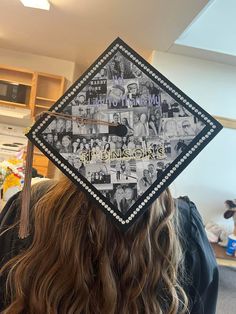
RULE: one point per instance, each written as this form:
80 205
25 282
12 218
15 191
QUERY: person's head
72 266
103 72
60 124
58 145
77 163
131 139
116 92
132 88
81 99
136 118
160 165
186 125
49 138
125 121
68 125
146 173
116 118
157 114
151 168
66 141
170 126
114 138
143 118
82 145
119 193
129 194
53 124
152 118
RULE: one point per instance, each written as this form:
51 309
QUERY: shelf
46 99
13 103
16 75
42 91
42 106
15 82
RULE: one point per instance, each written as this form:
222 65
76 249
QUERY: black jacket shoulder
200 264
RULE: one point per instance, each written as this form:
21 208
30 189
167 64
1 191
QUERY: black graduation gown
201 269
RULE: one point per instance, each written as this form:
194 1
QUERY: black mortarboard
122 132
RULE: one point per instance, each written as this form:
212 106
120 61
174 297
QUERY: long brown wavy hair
79 262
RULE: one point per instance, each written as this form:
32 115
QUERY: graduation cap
122 133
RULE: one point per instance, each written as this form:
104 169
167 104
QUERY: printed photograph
154 121
58 125
172 109
102 74
123 171
133 95
96 91
79 100
95 113
122 196
148 173
178 127
116 95
119 67
140 122
122 117
74 160
98 173
60 142
179 146
149 93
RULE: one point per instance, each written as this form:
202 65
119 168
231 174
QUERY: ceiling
206 32
79 30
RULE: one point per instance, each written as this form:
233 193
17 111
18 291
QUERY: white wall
38 63
211 178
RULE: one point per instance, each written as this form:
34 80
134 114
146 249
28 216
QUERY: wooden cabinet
42 90
49 89
17 76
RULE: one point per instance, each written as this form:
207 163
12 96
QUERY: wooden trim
226 122
62 87
33 94
14 104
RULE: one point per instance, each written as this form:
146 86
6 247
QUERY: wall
38 63
211 177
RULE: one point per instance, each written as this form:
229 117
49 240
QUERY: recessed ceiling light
37 4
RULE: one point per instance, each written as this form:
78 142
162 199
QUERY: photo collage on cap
159 129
